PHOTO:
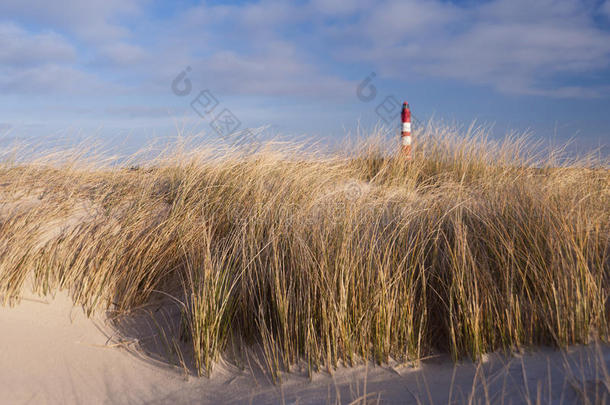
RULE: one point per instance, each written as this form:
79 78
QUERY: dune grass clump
471 247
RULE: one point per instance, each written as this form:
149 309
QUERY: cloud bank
543 47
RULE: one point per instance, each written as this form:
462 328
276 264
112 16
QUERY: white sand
51 353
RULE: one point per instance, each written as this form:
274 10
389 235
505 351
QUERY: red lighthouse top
406 112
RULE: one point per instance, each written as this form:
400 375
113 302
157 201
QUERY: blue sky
106 67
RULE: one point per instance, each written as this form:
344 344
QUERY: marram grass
471 247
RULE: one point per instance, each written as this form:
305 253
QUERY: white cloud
282 47
340 7
243 50
605 9
573 92
278 69
91 20
391 21
40 63
19 48
141 111
486 53
514 46
120 54
51 78
251 21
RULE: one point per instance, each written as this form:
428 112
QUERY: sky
133 69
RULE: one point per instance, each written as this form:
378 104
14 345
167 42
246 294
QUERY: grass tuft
471 247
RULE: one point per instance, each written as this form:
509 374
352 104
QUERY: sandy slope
50 352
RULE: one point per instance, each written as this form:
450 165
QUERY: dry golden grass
473 246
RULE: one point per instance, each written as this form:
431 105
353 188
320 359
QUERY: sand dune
51 353
319 260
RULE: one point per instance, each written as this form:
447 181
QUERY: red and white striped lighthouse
405 134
